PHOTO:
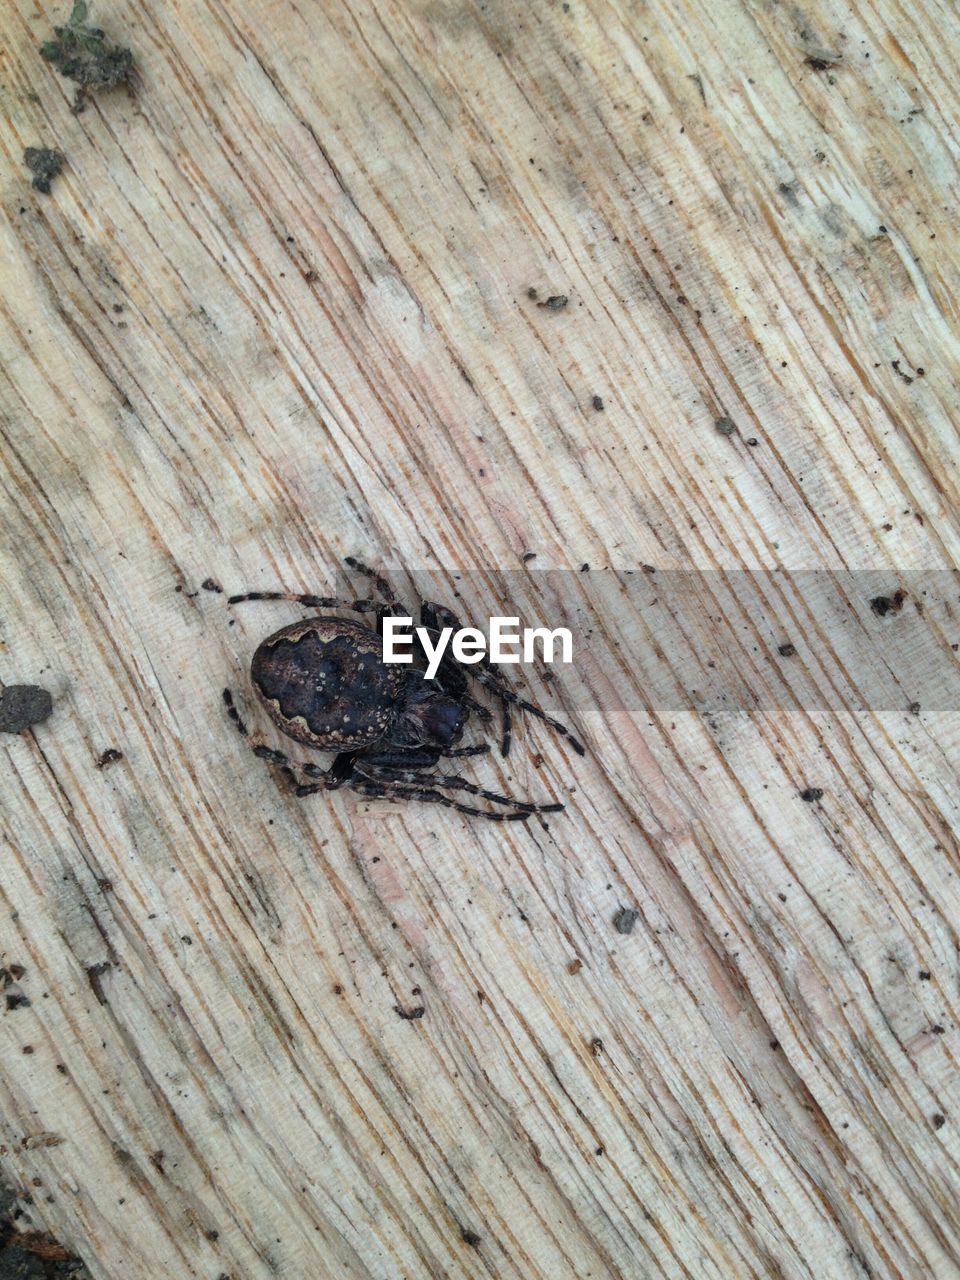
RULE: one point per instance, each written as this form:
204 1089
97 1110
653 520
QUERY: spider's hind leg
387 790
330 778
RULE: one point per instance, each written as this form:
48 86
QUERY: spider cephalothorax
324 683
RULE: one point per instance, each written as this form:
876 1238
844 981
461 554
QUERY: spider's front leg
308 601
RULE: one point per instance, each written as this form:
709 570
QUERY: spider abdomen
323 682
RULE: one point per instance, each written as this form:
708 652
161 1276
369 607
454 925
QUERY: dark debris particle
822 61
409 1015
924 975
882 605
811 794
597 403
32 1255
208 584
95 973
83 54
726 426
624 919
556 302
528 556
23 705
44 163
938 1120
471 1238
786 650
13 996
108 757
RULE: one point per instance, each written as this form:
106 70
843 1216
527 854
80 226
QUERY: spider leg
494 683
263 752
388 790
308 601
466 751
382 585
453 783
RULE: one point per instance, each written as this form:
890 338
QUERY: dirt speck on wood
410 1015
625 919
44 163
83 54
23 705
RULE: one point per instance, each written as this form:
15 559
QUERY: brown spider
324 683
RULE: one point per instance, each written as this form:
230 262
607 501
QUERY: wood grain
276 311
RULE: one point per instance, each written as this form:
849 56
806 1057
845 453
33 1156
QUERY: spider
324 683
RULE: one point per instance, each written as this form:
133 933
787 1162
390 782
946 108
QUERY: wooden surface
274 312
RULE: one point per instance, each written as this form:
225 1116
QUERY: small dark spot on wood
44 164
924 975
410 1015
786 650
157 1159
208 584
95 974
574 966
596 1046
882 605
938 1120
811 794
624 919
108 757
528 556
822 61
726 426
556 302
471 1238
597 403
23 705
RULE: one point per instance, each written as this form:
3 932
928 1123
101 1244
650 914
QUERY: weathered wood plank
277 310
